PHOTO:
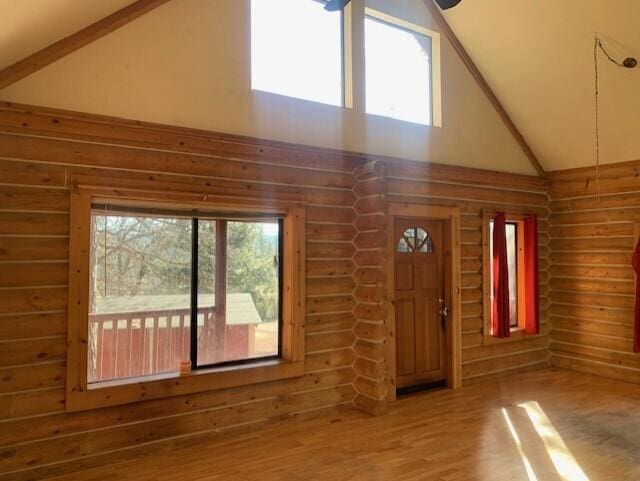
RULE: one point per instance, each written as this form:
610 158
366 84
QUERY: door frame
452 287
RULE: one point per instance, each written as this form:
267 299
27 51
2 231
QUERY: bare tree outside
141 292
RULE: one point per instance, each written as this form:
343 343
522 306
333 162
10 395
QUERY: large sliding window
170 286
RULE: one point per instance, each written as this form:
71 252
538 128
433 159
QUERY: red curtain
500 306
636 330
531 288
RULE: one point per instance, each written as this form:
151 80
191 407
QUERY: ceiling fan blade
446 4
334 5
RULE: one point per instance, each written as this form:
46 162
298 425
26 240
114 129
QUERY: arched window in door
415 239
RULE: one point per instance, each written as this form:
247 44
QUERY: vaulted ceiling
537 56
28 26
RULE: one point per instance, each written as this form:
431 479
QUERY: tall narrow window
399 69
297 50
511 229
168 286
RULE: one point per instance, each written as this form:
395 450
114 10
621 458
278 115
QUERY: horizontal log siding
471 193
37 437
372 383
41 149
592 283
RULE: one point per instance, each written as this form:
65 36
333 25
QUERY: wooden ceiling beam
50 54
446 29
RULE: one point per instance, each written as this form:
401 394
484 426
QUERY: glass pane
427 246
210 336
296 50
410 233
491 296
250 321
410 237
398 72
139 295
512 263
402 245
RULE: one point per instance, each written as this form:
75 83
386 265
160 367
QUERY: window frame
81 396
435 63
194 287
517 332
221 219
346 41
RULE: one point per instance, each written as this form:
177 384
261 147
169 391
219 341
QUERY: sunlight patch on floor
525 460
562 459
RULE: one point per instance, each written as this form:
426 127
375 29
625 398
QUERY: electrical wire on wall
628 63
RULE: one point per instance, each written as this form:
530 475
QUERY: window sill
125 391
517 334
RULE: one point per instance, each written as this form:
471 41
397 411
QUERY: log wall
372 308
39 153
593 232
472 191
41 149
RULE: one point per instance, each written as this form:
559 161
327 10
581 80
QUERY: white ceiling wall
27 26
187 63
537 55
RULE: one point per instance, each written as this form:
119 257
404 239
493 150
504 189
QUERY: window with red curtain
500 319
514 282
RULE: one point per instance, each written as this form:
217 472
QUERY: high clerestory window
402 69
300 50
297 50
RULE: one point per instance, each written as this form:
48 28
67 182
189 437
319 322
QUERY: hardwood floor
542 425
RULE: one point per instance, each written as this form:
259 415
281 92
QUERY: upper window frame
346 40
435 80
82 396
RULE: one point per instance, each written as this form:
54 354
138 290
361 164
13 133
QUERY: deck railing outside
129 344
143 343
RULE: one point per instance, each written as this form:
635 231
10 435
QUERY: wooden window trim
347 57
435 60
517 333
80 396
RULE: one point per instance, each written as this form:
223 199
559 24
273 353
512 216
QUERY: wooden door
419 299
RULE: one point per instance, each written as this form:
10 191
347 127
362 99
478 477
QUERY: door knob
444 310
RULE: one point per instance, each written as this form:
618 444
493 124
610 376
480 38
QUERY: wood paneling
346 306
592 285
446 434
373 365
27 120
34 253
472 195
